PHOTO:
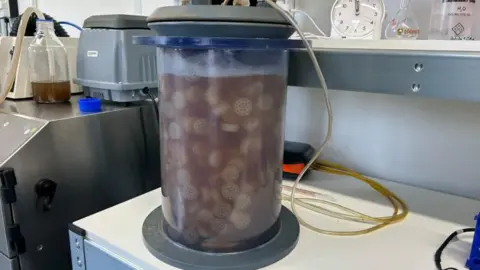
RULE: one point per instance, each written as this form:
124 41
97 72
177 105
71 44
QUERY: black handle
45 190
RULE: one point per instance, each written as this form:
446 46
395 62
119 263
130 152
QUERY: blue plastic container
89 105
473 262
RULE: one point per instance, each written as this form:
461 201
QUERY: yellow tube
352 215
396 202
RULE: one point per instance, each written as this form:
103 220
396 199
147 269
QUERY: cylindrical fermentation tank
222 108
222 118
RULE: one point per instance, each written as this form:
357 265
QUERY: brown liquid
222 147
51 92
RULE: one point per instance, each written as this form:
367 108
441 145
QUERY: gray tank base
163 248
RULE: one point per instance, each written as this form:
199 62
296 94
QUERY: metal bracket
400 72
77 247
8 195
8 182
16 238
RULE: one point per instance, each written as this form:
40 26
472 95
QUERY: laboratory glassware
403 25
48 66
452 20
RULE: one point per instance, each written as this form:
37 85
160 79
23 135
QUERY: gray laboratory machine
109 65
57 166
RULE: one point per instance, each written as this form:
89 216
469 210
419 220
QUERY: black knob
45 190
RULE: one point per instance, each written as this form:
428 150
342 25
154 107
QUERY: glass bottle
288 5
404 25
452 20
244 3
182 2
48 63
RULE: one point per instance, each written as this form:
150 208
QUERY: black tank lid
116 21
220 21
217 13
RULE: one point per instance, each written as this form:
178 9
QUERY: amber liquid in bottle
51 92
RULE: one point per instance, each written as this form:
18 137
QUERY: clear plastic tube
10 80
287 5
293 11
331 168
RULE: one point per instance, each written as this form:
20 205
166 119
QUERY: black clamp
8 181
15 237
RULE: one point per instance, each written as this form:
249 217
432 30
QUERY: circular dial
357 18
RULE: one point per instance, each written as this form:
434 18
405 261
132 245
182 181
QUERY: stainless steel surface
9 264
97 160
15 131
52 112
444 75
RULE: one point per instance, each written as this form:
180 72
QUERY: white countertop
407 245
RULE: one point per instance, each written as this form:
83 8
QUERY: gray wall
423 142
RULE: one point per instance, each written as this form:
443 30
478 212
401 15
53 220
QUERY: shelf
429 68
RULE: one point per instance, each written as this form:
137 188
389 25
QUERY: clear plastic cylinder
222 126
452 19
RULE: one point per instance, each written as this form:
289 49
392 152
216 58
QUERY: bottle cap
89 105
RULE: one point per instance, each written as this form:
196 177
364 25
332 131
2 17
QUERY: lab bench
112 239
425 68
